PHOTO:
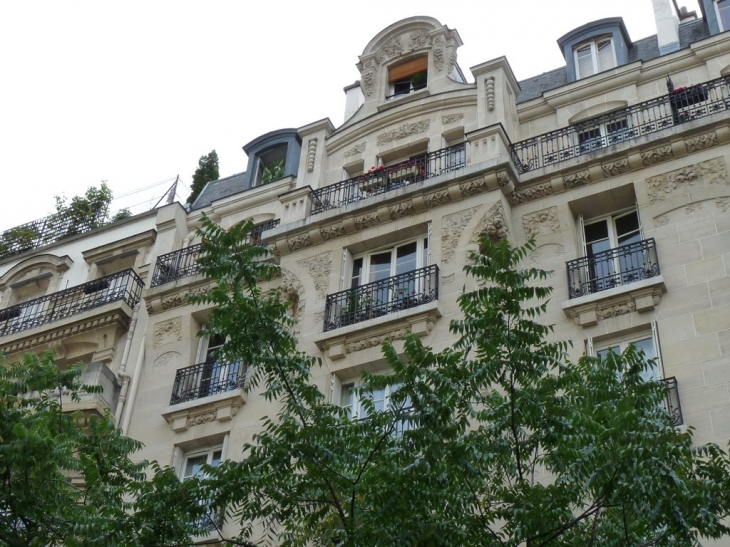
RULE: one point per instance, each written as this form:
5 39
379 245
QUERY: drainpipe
123 366
133 388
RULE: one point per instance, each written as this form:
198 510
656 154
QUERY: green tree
496 441
67 478
207 171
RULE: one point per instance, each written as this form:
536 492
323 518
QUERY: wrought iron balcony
384 179
184 263
380 298
680 106
672 401
205 379
122 286
612 268
45 231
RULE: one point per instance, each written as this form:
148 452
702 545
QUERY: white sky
134 92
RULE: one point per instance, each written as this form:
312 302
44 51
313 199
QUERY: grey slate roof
641 50
218 189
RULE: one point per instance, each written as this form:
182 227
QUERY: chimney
666 26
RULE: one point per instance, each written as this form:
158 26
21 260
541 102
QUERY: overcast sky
134 92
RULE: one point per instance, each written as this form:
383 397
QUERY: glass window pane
603 353
215 461
585 61
356 273
597 231
605 55
380 266
647 346
627 224
723 8
405 260
194 465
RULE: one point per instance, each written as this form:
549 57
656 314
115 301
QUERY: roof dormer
595 47
412 58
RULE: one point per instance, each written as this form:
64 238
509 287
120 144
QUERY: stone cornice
174 294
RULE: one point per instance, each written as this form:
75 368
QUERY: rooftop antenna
170 194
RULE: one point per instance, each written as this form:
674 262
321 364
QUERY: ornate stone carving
616 310
700 142
452 226
452 62
167 332
367 220
332 231
615 168
692 207
172 301
311 153
489 87
374 341
293 292
438 53
451 118
530 194
448 279
419 40
576 180
547 251
503 179
436 199
394 48
319 268
657 155
403 131
299 241
203 418
473 187
541 222
493 224
707 172
399 210
357 149
367 76
723 204
168 359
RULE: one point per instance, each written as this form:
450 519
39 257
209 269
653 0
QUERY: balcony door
609 246
385 277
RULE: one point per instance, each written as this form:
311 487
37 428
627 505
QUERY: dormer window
271 165
594 56
407 77
723 14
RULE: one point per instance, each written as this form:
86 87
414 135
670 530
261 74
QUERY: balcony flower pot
683 97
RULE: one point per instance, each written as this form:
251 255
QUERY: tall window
723 13
193 467
594 57
601 133
601 238
271 165
381 401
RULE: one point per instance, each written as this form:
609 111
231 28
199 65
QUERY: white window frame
622 343
357 412
422 260
718 14
218 375
210 457
593 44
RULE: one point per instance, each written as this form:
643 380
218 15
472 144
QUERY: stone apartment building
615 164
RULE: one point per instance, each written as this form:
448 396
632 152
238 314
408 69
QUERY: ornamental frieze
700 142
403 131
710 172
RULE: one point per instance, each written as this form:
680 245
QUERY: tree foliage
207 171
66 478
496 441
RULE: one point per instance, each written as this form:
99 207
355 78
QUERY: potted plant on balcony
373 179
273 172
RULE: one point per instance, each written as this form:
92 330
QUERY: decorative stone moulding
338 344
174 294
640 297
221 408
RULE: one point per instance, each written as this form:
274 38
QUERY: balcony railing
184 263
125 286
208 378
672 401
45 231
612 268
390 295
384 179
680 106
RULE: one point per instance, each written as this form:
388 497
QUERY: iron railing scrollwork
672 401
680 106
400 292
618 266
385 179
125 285
184 263
208 378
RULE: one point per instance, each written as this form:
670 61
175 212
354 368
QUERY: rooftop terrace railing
680 106
385 179
184 263
45 231
125 286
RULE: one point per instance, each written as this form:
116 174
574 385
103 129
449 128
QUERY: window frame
356 396
605 135
405 81
422 260
718 14
593 48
